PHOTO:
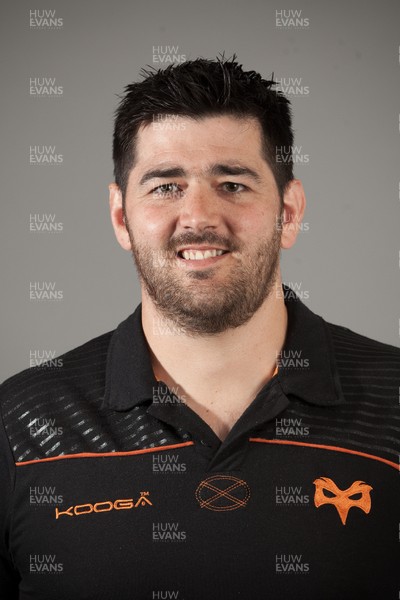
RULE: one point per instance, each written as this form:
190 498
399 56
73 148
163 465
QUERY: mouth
204 256
192 253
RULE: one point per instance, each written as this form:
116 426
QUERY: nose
199 209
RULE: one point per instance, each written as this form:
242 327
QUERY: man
224 441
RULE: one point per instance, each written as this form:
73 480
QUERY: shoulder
348 343
367 368
77 368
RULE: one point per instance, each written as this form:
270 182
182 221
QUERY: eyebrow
216 169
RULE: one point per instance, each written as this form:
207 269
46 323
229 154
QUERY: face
201 212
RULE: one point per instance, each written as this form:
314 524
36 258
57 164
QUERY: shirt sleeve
9 577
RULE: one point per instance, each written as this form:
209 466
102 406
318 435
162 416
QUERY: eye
233 188
167 190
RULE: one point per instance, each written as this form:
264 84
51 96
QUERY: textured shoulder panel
368 369
50 411
369 373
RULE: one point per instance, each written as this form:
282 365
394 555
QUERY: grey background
348 56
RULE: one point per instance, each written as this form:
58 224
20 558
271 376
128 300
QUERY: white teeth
200 255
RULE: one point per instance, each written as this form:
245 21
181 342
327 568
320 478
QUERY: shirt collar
306 366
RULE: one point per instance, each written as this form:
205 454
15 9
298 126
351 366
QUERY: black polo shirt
112 487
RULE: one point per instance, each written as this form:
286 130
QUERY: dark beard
206 312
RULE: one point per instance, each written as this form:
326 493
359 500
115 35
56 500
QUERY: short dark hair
203 88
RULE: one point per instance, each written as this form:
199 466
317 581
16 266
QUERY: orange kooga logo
105 506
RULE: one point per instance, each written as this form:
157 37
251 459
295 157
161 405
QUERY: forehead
198 142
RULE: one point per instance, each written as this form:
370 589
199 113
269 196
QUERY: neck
218 376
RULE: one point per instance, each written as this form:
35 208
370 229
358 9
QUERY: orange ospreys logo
358 495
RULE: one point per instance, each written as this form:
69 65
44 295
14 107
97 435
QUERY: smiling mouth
194 254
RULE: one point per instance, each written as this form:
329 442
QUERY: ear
294 204
117 217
